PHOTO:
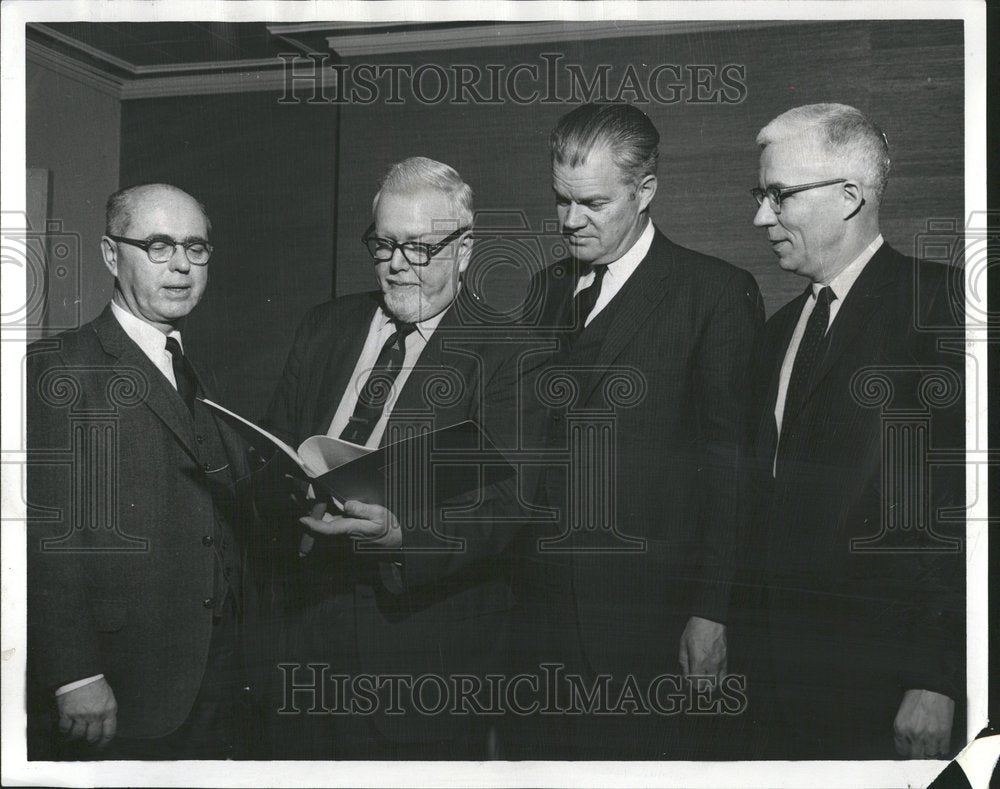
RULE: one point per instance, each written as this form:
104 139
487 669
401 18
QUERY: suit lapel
857 311
632 306
784 330
161 398
233 445
344 352
558 282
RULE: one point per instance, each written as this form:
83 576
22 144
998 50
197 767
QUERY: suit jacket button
208 602
207 540
200 439
207 466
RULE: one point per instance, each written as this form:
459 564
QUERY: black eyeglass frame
775 194
409 246
145 244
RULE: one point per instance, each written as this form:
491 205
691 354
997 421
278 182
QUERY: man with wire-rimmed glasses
381 591
140 511
860 620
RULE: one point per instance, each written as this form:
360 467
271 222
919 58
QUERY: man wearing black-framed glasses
860 644
135 589
384 593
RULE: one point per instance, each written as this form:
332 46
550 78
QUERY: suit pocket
109 615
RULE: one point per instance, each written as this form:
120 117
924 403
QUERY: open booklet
450 461
315 456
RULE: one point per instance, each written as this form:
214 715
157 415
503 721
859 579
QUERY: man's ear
109 251
465 251
854 197
646 191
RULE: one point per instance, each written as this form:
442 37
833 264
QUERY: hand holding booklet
460 458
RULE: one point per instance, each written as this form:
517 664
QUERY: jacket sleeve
725 353
932 622
62 637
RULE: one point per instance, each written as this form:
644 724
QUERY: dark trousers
299 724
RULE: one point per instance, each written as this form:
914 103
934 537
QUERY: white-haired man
367 368
861 631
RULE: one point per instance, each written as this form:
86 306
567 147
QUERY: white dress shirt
151 340
379 331
841 286
618 272
153 343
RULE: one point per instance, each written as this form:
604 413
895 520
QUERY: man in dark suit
860 618
416 588
137 505
646 422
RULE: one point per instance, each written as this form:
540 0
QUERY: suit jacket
119 506
652 395
444 611
862 576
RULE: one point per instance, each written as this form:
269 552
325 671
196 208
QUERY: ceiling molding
204 84
293 28
232 77
73 69
74 43
385 42
115 76
130 69
256 64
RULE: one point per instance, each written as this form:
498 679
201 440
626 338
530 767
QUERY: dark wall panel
267 175
905 75
287 201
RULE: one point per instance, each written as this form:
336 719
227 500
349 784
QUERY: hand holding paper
371 523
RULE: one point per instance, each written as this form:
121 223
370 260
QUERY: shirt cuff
77 684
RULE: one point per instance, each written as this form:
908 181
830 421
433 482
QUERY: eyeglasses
160 249
775 194
416 253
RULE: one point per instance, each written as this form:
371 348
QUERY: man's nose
398 261
179 260
765 216
574 218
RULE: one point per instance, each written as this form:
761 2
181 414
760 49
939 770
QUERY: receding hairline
124 203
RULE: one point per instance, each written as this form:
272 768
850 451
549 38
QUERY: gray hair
120 208
856 143
419 172
624 130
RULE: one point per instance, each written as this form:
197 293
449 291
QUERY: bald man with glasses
139 512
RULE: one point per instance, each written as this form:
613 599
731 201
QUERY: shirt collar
425 328
844 281
150 339
636 252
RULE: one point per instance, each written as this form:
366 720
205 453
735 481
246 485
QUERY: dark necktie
372 397
187 381
585 300
809 353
